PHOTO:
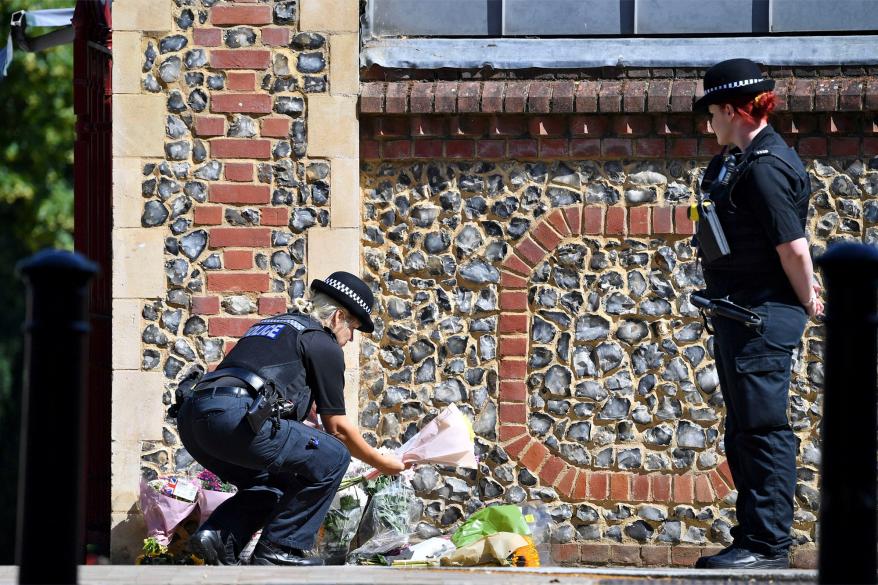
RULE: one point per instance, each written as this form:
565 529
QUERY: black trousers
754 374
286 479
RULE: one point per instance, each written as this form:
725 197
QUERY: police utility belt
267 401
726 309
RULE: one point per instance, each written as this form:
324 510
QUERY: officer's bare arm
796 260
340 426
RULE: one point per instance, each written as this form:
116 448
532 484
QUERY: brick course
608 95
596 136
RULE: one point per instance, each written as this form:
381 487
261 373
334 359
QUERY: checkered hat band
339 286
734 84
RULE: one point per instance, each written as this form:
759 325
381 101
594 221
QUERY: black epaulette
757 154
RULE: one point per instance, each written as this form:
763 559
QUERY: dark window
602 18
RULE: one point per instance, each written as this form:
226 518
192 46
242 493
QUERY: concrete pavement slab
350 575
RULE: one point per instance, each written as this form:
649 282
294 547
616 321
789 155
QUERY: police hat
732 78
352 293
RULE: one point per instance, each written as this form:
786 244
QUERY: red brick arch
573 483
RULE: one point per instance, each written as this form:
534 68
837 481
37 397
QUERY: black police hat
352 293
732 78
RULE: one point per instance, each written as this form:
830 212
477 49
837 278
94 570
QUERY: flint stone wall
548 297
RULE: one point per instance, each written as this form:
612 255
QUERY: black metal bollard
51 476
847 552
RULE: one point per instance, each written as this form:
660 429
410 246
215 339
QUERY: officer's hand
390 465
814 305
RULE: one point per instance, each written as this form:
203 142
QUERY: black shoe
701 563
268 553
208 545
741 558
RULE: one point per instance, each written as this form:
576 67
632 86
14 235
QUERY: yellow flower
526 556
469 427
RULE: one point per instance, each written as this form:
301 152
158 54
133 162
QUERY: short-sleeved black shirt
769 189
768 206
324 363
274 345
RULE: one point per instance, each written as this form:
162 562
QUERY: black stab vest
752 252
272 349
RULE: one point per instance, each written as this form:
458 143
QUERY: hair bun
302 305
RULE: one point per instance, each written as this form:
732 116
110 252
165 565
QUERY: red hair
754 109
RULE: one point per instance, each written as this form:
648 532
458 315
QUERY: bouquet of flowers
155 553
339 527
165 503
213 492
447 439
343 517
389 519
500 534
501 548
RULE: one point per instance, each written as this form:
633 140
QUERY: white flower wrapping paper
447 439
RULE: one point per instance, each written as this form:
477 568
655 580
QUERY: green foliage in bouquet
391 506
155 553
373 486
374 560
337 527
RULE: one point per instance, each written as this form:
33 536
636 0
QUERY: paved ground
111 575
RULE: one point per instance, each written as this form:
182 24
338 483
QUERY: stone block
127 55
333 130
138 126
351 352
125 470
333 249
344 200
352 393
138 411
127 200
344 64
142 15
126 334
138 269
329 16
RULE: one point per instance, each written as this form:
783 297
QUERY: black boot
208 545
268 553
741 558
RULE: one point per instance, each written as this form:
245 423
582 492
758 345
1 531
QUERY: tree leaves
36 209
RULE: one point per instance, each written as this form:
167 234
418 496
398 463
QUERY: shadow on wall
126 536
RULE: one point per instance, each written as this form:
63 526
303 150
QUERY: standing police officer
243 422
761 200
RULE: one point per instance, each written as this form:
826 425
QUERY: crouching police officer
759 191
243 422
